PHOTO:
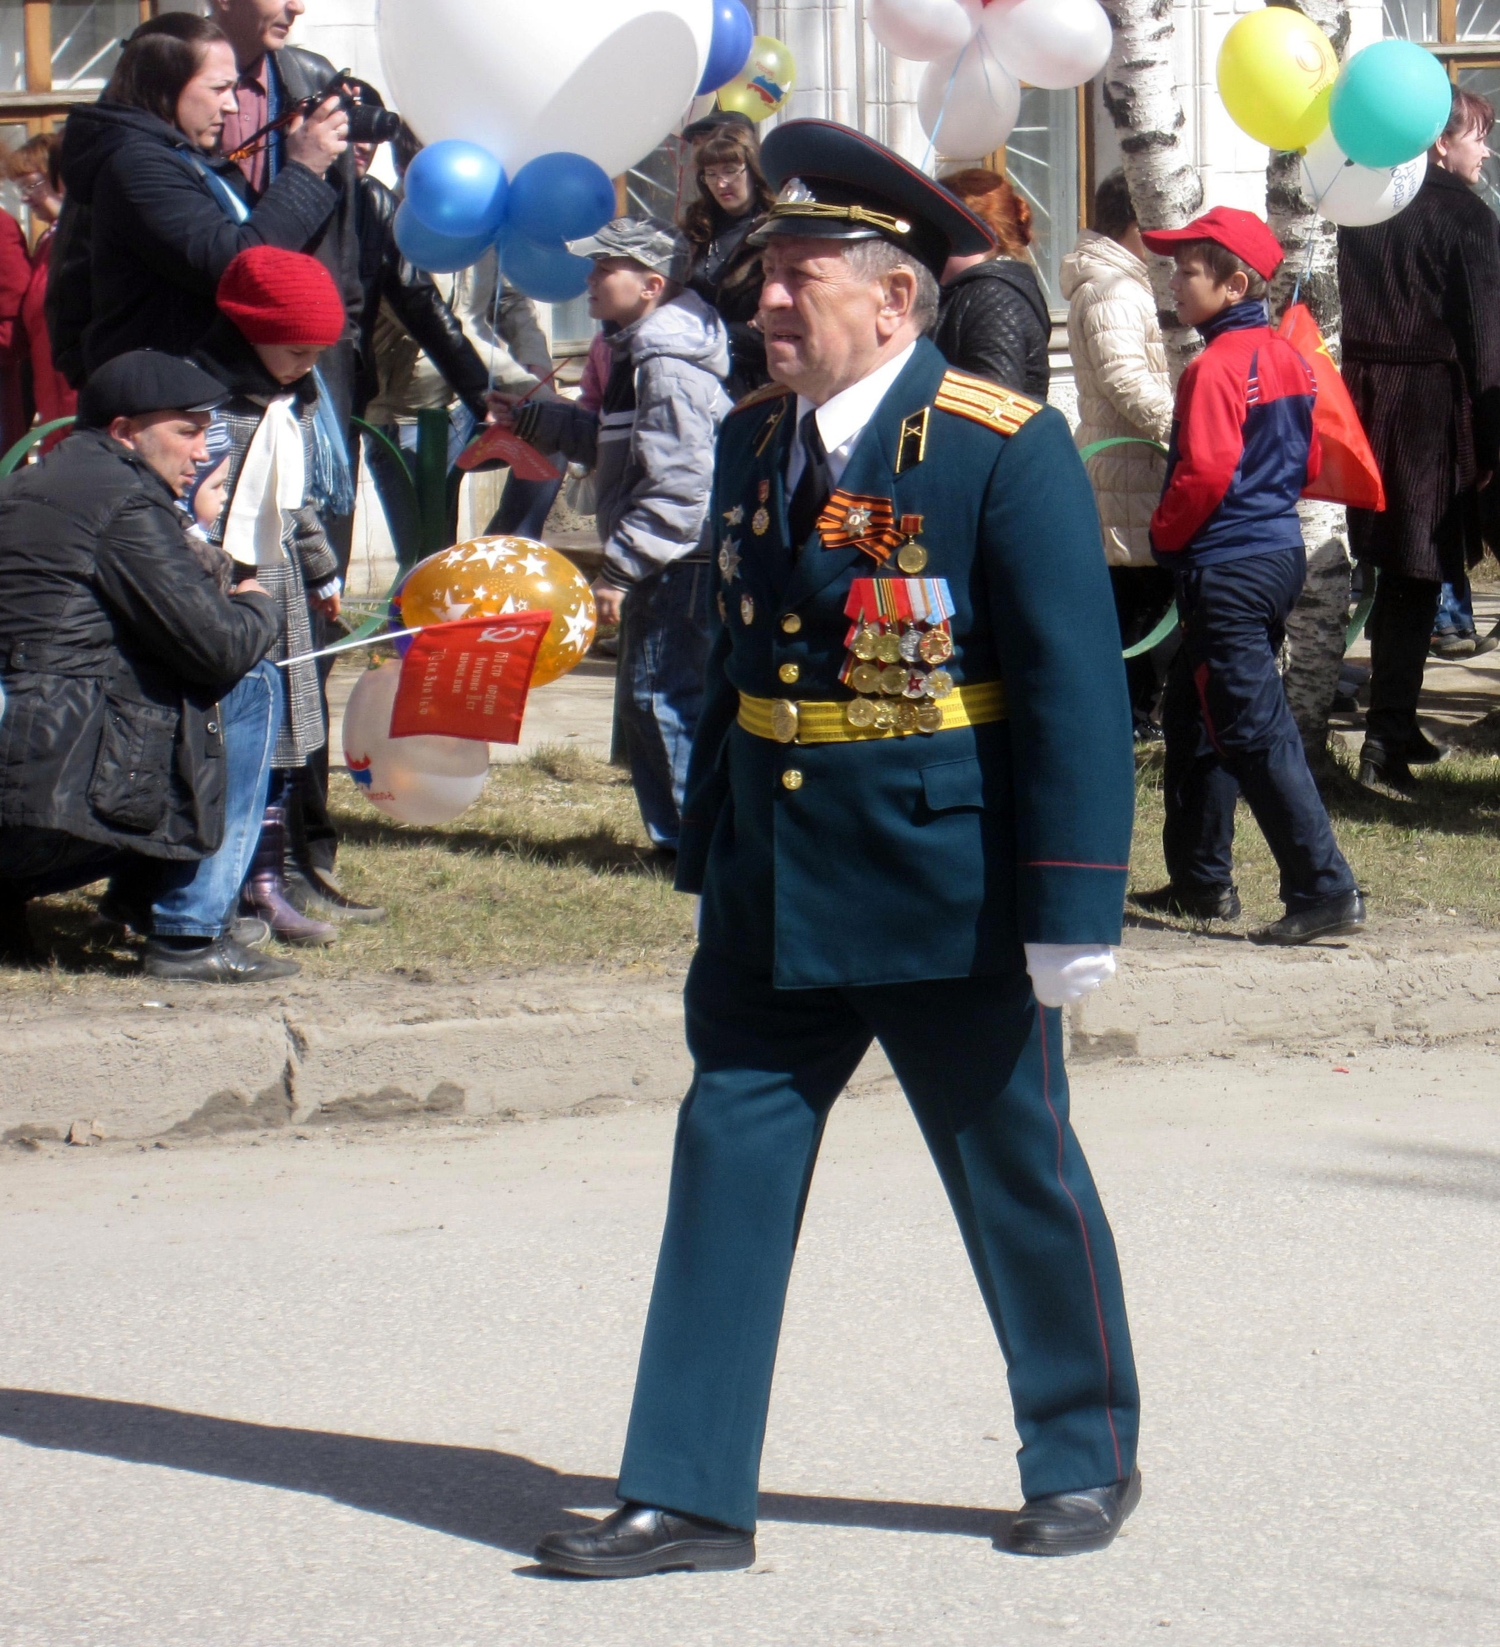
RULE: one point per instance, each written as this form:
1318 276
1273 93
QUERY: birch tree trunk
1316 628
1141 97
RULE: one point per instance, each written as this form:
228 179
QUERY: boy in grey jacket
651 447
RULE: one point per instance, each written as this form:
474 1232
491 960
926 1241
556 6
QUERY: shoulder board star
981 401
759 397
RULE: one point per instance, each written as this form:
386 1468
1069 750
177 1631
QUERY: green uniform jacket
924 856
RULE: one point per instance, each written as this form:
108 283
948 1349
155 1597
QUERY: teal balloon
1390 104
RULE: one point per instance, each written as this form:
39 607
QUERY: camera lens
368 124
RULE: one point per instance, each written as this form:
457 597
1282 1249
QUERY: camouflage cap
661 247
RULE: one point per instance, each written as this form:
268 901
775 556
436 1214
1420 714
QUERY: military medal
853 521
747 611
735 517
911 556
723 613
898 636
760 522
729 558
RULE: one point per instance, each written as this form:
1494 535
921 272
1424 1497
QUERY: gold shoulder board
758 397
981 401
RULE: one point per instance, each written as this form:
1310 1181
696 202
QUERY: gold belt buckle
784 719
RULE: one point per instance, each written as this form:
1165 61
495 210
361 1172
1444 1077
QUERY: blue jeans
1455 613
1229 731
198 900
659 690
524 507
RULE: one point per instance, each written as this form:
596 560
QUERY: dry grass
553 870
1432 856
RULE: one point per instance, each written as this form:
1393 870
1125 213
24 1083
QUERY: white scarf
272 478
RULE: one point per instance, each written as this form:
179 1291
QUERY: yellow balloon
765 82
1276 75
489 577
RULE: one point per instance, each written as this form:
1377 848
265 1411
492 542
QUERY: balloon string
349 646
1306 273
937 124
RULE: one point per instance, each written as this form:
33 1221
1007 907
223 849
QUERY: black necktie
815 486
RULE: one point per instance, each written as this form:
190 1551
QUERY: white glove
1063 973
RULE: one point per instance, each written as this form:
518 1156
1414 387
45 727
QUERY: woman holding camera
155 213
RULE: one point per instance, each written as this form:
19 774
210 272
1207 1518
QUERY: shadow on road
489 1497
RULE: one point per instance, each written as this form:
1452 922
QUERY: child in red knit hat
279 311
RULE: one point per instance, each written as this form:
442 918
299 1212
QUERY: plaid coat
309 562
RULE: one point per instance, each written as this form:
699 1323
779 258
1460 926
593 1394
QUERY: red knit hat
275 296
1242 233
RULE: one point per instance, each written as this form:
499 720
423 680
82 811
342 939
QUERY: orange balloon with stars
490 577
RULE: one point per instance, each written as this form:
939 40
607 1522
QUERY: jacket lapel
871 471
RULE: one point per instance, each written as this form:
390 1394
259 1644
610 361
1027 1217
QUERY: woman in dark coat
732 194
153 217
994 321
1421 301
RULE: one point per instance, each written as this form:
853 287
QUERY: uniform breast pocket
130 783
953 786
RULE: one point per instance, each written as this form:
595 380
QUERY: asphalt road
329 1390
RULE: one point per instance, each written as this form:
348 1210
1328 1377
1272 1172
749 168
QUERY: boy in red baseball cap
1243 448
278 312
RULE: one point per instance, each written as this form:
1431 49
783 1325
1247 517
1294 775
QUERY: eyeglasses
722 174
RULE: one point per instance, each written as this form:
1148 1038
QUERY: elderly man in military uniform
908 814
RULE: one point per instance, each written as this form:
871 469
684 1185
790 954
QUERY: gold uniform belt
784 720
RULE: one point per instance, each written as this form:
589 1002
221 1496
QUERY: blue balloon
1391 102
544 270
559 197
457 189
436 253
733 36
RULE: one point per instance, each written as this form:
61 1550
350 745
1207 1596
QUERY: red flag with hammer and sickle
469 679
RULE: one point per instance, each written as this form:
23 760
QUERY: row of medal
898 643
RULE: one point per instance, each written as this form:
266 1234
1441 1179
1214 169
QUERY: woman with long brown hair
994 320
732 194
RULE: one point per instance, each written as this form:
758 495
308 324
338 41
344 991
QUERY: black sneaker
1453 643
221 962
1333 918
1209 903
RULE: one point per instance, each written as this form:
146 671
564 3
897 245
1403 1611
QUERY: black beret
145 381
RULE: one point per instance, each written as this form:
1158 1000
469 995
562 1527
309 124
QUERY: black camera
370 121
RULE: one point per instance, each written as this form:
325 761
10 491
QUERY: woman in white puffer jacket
1123 389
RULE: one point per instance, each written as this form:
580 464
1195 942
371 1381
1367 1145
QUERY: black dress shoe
222 962
1209 903
1381 768
1420 750
637 1540
1073 1523
1333 918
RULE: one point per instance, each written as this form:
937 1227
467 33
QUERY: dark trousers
982 1067
39 863
1400 629
1142 596
1229 730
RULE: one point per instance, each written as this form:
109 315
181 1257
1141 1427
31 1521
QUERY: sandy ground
328 1388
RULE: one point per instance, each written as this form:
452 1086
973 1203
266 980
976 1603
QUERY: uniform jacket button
791 778
791 624
789 672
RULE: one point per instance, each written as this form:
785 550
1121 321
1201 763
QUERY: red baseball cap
1242 233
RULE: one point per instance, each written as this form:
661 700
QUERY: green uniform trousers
981 1064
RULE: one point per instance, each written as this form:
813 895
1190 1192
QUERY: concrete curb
208 1061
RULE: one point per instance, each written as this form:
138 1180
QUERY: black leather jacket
993 323
115 643
386 276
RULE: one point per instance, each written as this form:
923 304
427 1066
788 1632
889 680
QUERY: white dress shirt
842 420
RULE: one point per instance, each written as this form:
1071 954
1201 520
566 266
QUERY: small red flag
469 679
495 446
1350 473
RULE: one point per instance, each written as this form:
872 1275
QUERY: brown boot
265 888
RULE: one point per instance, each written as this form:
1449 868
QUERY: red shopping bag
1350 473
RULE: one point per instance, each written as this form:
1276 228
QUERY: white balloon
603 78
1049 43
1357 196
968 104
421 780
924 29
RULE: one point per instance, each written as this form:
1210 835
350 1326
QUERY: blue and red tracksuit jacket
1243 446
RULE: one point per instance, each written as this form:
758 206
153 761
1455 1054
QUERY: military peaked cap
837 184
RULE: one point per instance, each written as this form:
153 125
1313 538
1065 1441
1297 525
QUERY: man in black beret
908 814
137 715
